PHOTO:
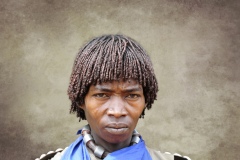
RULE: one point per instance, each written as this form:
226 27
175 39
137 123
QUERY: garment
78 151
155 155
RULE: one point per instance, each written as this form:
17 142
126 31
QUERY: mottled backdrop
194 45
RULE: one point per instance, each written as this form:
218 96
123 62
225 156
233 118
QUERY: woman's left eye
132 96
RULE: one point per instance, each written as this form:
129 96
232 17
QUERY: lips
117 125
117 128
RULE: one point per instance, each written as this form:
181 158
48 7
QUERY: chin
117 138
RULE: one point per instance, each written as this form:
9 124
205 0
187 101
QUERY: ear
82 106
145 105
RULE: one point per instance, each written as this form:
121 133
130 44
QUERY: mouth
117 128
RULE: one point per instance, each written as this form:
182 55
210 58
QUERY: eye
101 95
132 96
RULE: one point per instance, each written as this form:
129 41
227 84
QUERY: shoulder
53 155
158 155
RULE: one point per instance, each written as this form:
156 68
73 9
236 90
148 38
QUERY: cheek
139 105
136 110
93 110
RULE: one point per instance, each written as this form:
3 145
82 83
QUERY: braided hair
108 58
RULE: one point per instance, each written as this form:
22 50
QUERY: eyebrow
108 89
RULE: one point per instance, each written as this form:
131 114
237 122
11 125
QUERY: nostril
110 112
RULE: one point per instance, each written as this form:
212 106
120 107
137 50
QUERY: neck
101 152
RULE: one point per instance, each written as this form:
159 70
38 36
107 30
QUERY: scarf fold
78 151
135 152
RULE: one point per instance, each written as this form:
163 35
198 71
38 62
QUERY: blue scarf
78 151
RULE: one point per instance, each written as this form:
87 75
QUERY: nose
116 107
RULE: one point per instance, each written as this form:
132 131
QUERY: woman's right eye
101 95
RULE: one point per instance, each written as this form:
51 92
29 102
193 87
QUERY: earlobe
143 113
82 106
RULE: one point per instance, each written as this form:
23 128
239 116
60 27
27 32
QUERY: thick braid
89 142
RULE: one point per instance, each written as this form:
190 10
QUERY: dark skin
112 110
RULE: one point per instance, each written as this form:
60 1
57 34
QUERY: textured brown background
194 45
